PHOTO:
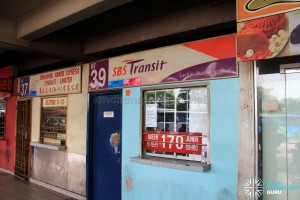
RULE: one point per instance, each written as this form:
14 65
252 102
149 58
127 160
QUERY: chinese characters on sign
64 81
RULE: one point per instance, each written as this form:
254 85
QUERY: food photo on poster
268 37
294 27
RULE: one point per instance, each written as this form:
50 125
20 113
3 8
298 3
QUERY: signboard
55 102
269 37
63 81
5 85
24 86
183 142
199 60
250 9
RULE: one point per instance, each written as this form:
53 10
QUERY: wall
7 145
153 182
76 114
64 169
77 117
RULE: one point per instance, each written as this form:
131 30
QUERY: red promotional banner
176 142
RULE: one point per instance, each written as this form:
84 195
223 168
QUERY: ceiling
18 8
40 35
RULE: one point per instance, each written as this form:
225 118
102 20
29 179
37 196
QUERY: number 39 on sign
98 75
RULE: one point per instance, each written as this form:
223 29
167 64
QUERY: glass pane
160 126
160 95
271 131
53 125
150 96
170 95
181 117
182 105
160 117
293 132
170 105
183 95
198 123
198 101
182 127
169 117
167 127
160 105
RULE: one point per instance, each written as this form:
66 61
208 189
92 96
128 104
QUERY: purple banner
24 86
224 68
98 77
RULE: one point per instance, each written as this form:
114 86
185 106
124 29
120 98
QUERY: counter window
175 123
2 118
53 121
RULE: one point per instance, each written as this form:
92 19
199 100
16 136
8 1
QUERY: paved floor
12 188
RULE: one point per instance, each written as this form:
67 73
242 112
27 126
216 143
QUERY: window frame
142 121
66 122
2 137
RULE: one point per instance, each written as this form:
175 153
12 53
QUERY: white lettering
274 191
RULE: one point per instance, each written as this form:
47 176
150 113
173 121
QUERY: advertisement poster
251 9
63 81
199 60
269 37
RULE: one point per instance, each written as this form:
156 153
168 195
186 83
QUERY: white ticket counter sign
63 81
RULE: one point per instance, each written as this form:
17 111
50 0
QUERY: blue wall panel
152 182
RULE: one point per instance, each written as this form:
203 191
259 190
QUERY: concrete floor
12 188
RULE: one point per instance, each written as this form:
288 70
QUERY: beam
61 49
191 19
56 15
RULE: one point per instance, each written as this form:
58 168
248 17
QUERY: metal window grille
178 125
2 118
53 125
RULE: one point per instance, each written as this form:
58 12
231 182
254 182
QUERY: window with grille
53 121
2 118
175 123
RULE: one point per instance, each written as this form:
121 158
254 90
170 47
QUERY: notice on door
108 114
151 115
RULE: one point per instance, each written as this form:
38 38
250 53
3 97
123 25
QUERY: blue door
104 162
